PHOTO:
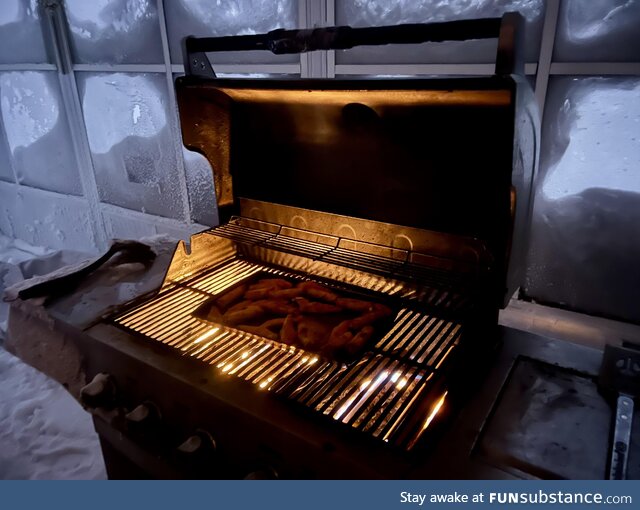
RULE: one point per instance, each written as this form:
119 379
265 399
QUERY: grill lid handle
508 30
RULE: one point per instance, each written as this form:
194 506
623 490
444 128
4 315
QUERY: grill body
414 192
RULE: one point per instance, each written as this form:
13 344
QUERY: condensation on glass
21 33
585 243
207 18
363 13
132 145
114 31
36 131
598 30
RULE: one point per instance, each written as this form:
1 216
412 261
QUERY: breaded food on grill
276 306
231 297
318 291
314 307
247 314
289 331
313 332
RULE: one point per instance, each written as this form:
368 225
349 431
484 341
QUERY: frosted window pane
586 230
115 31
133 150
37 131
598 30
206 18
363 13
20 33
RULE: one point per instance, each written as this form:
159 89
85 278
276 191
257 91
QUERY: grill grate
359 255
374 395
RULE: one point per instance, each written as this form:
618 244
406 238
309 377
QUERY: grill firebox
378 393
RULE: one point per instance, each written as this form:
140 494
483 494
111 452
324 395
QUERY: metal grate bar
431 343
372 417
362 261
407 329
217 282
150 309
317 382
411 343
202 344
348 384
166 311
218 354
211 347
391 423
237 347
300 384
367 392
172 318
446 339
193 330
298 246
272 374
264 355
173 321
237 232
297 374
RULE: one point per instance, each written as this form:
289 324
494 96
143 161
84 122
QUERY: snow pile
20 260
45 434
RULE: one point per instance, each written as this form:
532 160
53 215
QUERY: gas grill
414 193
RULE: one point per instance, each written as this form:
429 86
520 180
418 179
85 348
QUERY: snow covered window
361 13
586 229
20 33
210 18
598 31
114 31
35 137
132 144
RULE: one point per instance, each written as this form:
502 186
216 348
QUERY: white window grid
319 64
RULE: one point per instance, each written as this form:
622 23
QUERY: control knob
143 418
198 445
100 392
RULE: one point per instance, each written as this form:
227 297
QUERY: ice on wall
598 30
20 33
37 131
124 226
45 219
115 31
363 13
593 139
133 149
585 240
204 18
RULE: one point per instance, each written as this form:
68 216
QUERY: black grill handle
508 30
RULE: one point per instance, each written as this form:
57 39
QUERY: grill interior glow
375 394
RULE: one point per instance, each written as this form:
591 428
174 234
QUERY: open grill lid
448 155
